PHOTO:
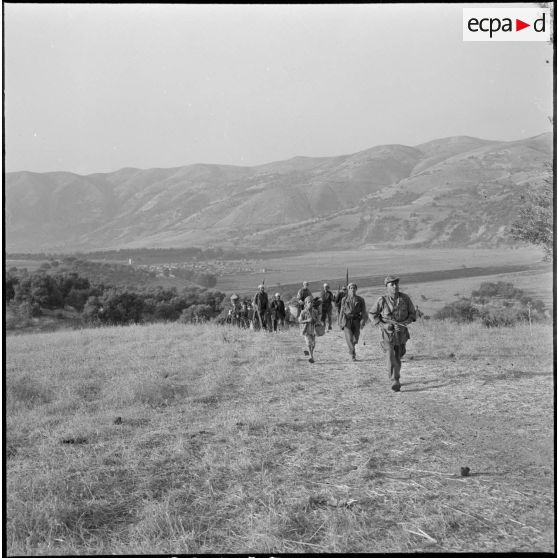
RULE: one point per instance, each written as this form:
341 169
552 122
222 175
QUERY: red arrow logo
519 25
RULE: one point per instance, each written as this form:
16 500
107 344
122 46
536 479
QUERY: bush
489 290
77 298
166 311
197 313
494 304
507 316
460 311
121 307
9 288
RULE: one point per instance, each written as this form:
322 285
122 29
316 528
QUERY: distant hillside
457 191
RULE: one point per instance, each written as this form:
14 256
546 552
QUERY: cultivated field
318 266
433 277
172 438
431 295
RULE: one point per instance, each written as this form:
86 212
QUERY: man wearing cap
261 307
327 304
303 294
278 313
392 313
353 317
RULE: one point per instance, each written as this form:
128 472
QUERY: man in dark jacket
261 308
278 313
327 305
352 318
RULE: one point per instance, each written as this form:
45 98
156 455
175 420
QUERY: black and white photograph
279 278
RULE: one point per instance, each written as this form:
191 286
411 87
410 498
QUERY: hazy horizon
96 88
259 164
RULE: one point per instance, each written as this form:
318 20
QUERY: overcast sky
95 88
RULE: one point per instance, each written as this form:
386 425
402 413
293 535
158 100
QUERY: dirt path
491 414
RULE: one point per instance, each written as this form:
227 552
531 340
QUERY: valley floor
185 439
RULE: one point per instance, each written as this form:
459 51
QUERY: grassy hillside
173 438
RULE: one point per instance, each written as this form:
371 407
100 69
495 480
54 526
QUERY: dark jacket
277 309
353 309
327 299
261 302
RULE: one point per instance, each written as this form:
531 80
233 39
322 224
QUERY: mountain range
455 191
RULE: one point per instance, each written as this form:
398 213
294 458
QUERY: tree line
33 294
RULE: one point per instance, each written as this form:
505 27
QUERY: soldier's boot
394 377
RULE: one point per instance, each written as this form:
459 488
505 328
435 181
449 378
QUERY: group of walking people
391 314
258 313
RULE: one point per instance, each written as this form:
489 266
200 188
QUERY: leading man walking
393 312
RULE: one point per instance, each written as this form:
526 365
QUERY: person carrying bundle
309 319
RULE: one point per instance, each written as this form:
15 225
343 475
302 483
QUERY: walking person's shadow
424 388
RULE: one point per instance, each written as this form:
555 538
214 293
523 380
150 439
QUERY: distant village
214 267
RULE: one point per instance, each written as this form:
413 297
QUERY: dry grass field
175 438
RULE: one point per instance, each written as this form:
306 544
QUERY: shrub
462 310
9 288
503 316
92 310
77 298
121 307
489 290
494 304
197 313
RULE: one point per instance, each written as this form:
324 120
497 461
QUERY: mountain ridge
458 190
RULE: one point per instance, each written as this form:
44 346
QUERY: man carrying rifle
261 307
338 300
393 312
352 317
